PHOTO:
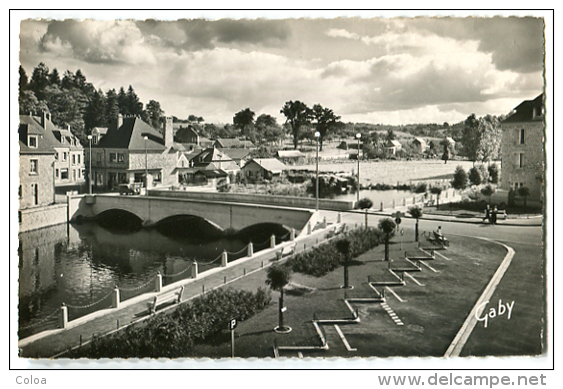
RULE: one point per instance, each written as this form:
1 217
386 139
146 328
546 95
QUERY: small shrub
493 173
474 176
460 178
365 203
421 188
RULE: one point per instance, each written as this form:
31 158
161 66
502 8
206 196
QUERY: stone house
420 144
130 149
392 146
37 165
263 168
522 149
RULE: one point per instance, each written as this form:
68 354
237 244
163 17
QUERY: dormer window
32 141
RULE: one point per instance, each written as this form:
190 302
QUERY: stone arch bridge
227 215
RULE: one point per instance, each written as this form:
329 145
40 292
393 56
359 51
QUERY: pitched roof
289 154
270 164
183 133
228 142
131 136
236 153
394 143
45 139
527 111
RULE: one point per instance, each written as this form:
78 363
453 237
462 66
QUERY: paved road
524 283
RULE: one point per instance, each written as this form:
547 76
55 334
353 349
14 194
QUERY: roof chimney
168 132
119 120
44 120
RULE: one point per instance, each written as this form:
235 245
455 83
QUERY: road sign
233 324
398 220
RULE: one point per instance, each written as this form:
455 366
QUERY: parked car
133 188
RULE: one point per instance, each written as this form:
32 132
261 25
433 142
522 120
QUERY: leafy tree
470 137
39 80
54 77
29 103
267 128
490 139
415 212
95 112
460 178
343 247
474 176
23 79
111 107
524 192
278 276
153 113
387 227
244 121
488 191
493 173
297 116
325 120
390 135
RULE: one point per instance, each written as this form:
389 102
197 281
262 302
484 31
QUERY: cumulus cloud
362 69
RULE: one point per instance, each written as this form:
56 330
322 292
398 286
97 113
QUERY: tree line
74 101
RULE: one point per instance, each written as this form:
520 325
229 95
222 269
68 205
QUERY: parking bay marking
343 338
414 279
395 294
430 267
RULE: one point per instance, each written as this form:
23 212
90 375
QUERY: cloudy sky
394 70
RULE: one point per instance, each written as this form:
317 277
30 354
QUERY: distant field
391 172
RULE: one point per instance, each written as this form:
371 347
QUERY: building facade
36 160
522 150
133 151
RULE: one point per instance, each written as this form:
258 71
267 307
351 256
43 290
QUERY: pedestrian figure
487 213
494 216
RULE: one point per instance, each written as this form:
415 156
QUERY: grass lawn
432 312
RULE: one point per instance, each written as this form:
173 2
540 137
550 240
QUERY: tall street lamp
146 168
317 135
358 136
90 160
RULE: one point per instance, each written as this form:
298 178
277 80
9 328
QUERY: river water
80 265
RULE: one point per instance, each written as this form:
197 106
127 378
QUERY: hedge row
174 335
325 258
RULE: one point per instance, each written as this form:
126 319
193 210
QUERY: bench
429 203
172 295
441 239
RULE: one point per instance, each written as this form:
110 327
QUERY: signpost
232 326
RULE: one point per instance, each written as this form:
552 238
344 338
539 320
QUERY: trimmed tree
460 178
524 192
343 247
474 176
415 212
278 276
387 227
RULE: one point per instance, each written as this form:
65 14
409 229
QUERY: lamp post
146 168
90 162
358 136
317 135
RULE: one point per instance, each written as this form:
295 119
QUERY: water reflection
81 264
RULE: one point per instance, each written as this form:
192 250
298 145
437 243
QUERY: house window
64 174
520 160
74 159
120 157
56 173
32 141
99 157
521 137
20 191
65 154
34 166
113 157
78 158
158 177
73 175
